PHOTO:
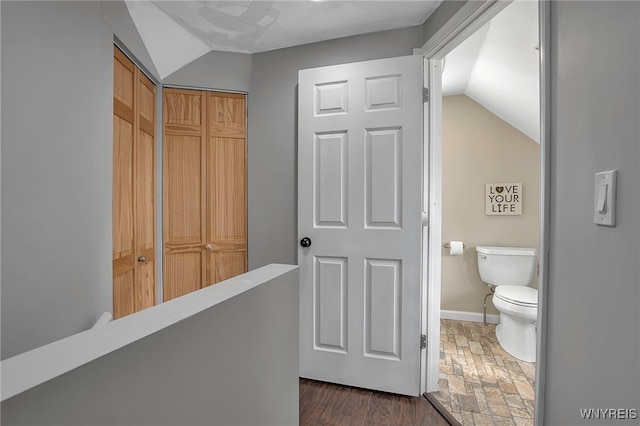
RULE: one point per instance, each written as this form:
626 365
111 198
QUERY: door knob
142 259
305 242
208 247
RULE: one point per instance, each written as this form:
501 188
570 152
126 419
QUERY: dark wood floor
329 404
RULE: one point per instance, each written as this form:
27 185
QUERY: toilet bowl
510 270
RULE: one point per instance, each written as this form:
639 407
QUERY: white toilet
511 270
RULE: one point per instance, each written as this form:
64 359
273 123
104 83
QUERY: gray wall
593 346
235 363
56 161
57 74
0 160
215 70
273 132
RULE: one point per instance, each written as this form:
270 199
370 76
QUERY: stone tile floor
480 383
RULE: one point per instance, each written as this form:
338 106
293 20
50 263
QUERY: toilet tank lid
508 251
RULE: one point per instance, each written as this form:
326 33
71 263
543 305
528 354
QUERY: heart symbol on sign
499 189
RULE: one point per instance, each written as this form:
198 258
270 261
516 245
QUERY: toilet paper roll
456 248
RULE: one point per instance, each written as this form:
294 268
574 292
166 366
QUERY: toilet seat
526 297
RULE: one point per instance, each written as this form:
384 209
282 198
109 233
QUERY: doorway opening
484 125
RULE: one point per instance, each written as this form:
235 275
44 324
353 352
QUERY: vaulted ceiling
176 32
497 66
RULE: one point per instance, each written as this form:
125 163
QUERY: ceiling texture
498 66
177 32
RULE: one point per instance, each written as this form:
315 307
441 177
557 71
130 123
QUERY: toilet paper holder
448 245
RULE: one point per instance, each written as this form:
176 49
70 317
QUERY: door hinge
423 341
425 94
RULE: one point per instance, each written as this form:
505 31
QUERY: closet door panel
205 195
123 207
227 114
227 186
227 209
123 79
227 190
145 200
122 188
145 294
227 265
145 291
183 188
183 215
226 201
184 193
123 294
133 188
182 274
183 107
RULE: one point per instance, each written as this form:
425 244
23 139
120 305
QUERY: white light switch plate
604 202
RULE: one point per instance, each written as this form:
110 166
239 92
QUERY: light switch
601 204
605 198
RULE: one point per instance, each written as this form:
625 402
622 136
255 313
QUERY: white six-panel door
359 204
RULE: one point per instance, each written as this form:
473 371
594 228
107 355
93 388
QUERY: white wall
593 341
57 74
225 355
116 15
273 157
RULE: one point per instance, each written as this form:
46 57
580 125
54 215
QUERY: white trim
544 31
470 18
432 203
469 316
424 243
205 89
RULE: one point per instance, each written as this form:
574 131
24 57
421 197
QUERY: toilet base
518 338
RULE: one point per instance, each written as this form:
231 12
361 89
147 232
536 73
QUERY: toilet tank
506 265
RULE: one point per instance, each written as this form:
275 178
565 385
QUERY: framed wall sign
503 199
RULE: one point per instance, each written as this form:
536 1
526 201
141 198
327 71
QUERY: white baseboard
469 316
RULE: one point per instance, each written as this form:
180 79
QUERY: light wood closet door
184 217
204 179
133 188
226 186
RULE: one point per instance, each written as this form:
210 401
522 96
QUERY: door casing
466 21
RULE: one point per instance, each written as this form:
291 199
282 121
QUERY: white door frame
432 234
471 17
